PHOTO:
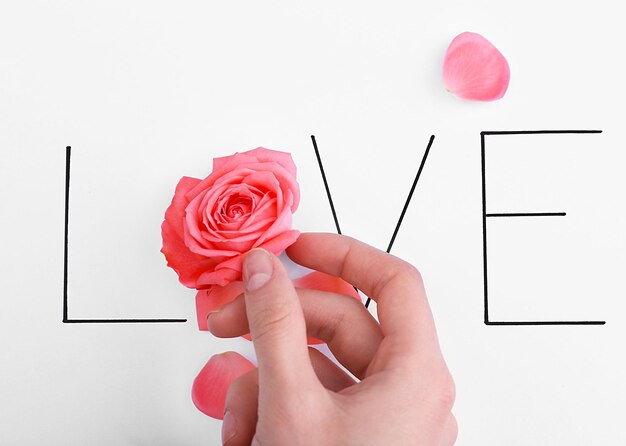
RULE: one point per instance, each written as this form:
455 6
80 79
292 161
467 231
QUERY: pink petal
221 276
175 213
213 298
325 282
281 242
474 69
187 265
260 154
209 389
229 162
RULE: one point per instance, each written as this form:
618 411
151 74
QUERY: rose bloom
245 203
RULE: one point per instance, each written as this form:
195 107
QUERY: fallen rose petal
209 389
474 69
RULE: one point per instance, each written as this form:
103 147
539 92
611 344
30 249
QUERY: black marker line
66 319
408 201
528 214
484 190
511 214
68 154
123 321
330 198
546 323
538 132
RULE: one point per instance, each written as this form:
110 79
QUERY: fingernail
229 427
257 269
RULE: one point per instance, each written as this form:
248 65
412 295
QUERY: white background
146 92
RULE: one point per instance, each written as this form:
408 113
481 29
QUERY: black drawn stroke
66 318
486 215
404 208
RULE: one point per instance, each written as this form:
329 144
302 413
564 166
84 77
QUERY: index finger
394 284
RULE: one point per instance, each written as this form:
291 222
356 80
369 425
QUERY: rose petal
230 269
230 162
281 242
281 224
260 154
286 180
264 208
282 158
221 275
199 245
218 231
474 69
209 389
325 282
175 213
188 265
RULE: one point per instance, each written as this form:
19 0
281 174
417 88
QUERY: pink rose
246 202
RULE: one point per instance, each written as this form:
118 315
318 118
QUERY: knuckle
327 329
333 324
410 272
347 256
402 272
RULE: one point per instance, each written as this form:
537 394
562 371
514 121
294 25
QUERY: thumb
276 324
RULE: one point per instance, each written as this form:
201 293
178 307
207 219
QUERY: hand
297 396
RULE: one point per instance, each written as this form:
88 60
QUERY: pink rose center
236 207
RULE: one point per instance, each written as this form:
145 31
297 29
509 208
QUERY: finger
242 399
329 374
350 331
240 413
450 432
277 327
396 286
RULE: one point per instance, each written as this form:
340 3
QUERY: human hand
298 396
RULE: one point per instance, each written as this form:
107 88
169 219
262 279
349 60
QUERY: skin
403 394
